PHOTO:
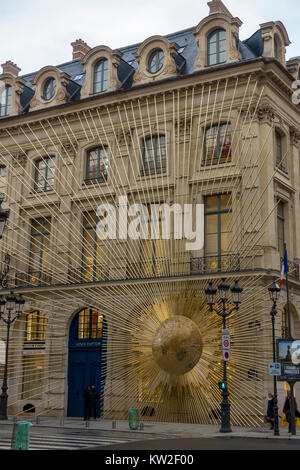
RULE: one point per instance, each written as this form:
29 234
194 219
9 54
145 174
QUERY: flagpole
292 426
288 300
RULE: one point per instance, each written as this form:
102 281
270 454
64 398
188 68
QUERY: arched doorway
87 359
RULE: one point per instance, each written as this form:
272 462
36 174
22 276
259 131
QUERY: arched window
89 324
35 326
5 100
217 145
153 155
101 76
276 48
216 47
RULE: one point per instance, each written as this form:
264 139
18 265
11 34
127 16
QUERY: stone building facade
198 116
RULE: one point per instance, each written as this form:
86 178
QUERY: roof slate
251 48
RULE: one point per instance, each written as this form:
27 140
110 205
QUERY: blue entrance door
86 365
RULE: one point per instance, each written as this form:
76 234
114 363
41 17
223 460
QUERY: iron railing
215 264
294 269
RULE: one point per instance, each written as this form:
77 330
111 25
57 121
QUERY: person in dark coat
270 410
93 401
86 399
287 408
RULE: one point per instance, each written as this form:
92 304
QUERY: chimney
217 6
11 68
80 49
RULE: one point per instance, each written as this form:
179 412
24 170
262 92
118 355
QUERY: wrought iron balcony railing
215 264
294 269
32 279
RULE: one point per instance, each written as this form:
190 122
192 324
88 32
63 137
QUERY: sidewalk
148 430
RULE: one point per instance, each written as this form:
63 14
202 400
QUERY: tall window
44 174
94 259
276 48
39 250
33 376
5 100
3 177
89 324
216 47
35 326
101 76
281 227
153 251
217 147
153 155
279 153
218 216
97 165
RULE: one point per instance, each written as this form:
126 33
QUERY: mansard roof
250 49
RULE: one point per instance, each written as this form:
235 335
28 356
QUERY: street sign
274 368
226 345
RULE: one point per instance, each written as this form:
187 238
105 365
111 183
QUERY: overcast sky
36 33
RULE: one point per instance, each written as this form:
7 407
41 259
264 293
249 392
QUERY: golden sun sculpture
176 352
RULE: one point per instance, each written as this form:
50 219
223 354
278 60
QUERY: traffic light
222 385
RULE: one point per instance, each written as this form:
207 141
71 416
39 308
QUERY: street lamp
11 308
274 292
3 218
236 292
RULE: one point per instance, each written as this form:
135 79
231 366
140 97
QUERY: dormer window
216 47
276 49
5 100
101 76
49 89
156 61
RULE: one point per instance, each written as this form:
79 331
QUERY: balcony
32 279
98 272
294 269
215 264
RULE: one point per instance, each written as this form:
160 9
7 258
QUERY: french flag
284 269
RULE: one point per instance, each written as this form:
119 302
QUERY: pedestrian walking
93 401
86 400
270 410
287 408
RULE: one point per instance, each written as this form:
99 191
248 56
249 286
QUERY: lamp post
274 292
11 308
223 312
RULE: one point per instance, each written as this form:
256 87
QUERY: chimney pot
80 49
11 68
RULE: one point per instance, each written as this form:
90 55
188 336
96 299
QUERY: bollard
114 425
22 441
62 421
133 414
141 426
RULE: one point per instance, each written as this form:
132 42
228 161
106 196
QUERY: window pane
153 155
101 76
211 244
211 203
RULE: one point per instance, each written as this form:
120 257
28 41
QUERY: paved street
74 434
62 441
206 444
